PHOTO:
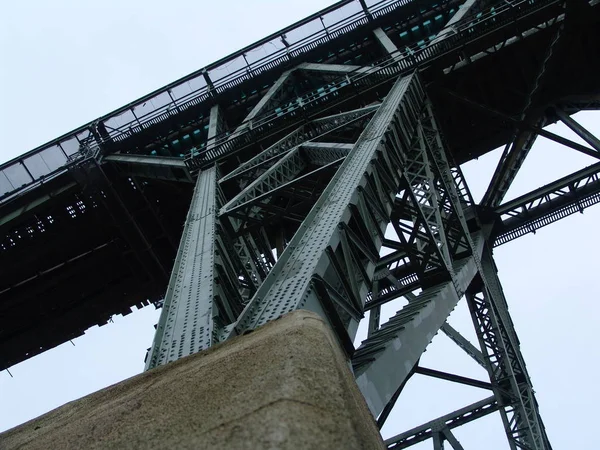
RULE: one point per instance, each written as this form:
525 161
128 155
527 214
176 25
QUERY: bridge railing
279 49
306 35
402 61
193 89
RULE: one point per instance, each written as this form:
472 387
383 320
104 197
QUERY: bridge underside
102 235
72 273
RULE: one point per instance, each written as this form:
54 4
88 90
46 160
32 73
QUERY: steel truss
340 228
333 191
348 209
543 206
343 198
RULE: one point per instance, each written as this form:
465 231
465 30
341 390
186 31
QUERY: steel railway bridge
318 168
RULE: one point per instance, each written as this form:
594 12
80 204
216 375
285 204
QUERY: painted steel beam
199 288
385 41
451 439
459 339
452 420
530 212
194 264
464 343
216 125
322 153
452 377
384 360
388 408
511 161
330 68
438 442
155 161
271 97
463 11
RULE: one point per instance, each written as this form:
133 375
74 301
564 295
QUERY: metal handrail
399 62
393 65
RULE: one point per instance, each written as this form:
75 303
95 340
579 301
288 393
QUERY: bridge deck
84 236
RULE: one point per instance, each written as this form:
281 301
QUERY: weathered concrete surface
285 386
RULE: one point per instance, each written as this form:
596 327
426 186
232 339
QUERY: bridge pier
286 385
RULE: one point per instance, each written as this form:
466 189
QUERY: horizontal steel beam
452 377
550 203
452 420
154 161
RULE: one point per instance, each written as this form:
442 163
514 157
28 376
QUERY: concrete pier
287 385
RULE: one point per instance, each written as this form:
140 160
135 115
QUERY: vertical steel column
186 323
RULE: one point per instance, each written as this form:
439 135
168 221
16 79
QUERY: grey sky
64 63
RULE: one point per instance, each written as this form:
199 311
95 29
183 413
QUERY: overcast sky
64 63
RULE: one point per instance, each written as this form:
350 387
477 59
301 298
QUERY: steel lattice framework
325 176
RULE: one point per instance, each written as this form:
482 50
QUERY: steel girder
186 324
584 134
510 162
543 206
